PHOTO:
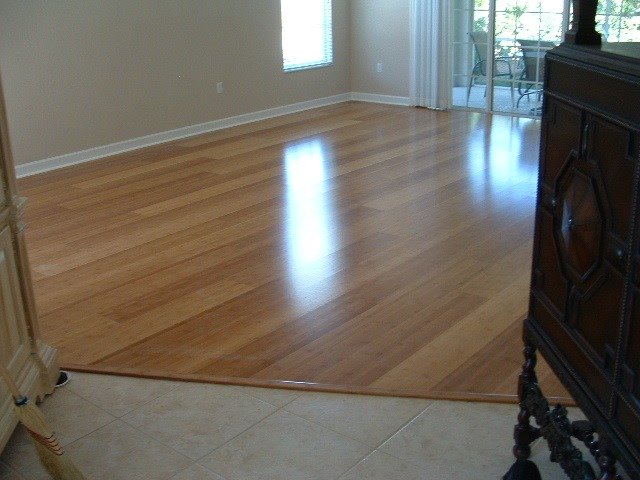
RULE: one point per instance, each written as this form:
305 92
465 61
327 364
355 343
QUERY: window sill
307 67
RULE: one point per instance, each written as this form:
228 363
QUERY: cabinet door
627 405
583 222
609 164
561 141
14 337
627 402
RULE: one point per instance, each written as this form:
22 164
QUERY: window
619 20
306 34
516 34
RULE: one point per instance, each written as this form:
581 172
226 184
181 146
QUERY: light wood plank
355 247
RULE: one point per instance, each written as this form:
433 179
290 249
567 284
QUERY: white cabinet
30 361
14 338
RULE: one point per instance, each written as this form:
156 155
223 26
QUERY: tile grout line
233 438
196 460
241 387
146 435
409 462
65 446
164 444
155 440
179 385
121 419
113 417
358 462
354 466
337 433
281 409
196 464
372 449
176 387
328 428
404 425
278 409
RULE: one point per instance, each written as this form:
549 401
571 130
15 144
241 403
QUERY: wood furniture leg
555 428
607 463
524 433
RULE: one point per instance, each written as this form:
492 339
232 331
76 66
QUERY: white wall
380 33
87 73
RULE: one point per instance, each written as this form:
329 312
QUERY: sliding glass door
524 31
470 26
499 48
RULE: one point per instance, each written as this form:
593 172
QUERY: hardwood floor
357 247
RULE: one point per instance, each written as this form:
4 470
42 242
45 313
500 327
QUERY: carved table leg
523 433
607 464
555 428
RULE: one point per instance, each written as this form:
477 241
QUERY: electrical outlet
219 87
379 67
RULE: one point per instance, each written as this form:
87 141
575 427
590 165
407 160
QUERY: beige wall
380 33
87 73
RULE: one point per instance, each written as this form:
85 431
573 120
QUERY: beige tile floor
127 428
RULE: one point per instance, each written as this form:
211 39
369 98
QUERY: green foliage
520 19
618 20
480 24
513 15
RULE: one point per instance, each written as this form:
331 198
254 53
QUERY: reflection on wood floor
356 247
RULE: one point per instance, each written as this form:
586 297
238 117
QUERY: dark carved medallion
579 222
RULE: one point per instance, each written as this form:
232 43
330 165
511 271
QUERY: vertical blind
306 34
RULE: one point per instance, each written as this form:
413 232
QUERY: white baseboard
66 160
376 98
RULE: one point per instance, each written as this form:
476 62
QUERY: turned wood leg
557 430
523 433
607 464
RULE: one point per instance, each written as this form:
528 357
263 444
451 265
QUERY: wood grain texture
357 247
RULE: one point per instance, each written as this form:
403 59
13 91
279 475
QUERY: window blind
307 39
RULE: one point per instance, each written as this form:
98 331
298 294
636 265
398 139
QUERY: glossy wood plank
357 247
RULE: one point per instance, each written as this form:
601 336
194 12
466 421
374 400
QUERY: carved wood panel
582 229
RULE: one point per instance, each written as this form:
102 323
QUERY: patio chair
532 76
502 66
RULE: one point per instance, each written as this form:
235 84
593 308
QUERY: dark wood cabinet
584 313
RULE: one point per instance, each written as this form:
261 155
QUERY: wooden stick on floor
53 458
